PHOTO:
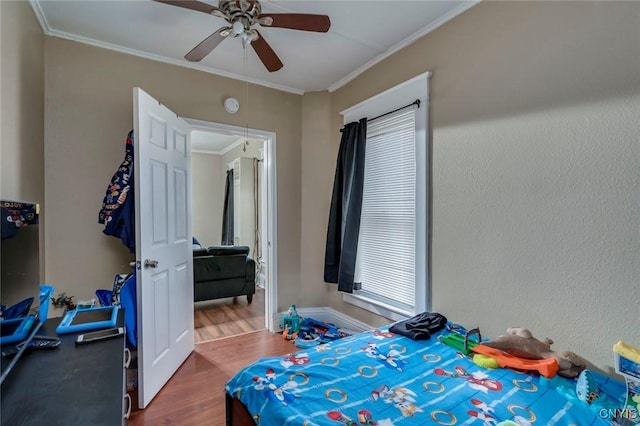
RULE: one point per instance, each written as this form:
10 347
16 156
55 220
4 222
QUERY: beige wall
22 47
22 111
207 202
209 173
535 111
246 150
318 166
88 114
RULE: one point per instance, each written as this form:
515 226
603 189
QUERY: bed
380 378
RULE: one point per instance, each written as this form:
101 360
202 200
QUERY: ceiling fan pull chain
246 95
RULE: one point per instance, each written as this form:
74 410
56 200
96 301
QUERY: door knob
150 263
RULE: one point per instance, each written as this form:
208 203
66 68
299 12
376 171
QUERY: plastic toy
19 310
520 342
603 387
88 319
313 332
547 367
326 330
288 334
455 328
306 340
291 320
16 330
586 387
485 361
627 363
462 343
627 360
17 323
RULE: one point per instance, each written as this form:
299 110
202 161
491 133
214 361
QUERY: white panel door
163 243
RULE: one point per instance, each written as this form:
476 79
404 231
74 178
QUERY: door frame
271 293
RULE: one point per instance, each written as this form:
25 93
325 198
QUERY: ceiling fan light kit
241 16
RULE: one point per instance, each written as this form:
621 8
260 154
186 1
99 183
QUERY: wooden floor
228 317
195 393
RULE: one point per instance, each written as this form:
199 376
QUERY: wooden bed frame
236 413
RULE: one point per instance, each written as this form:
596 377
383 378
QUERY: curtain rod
416 103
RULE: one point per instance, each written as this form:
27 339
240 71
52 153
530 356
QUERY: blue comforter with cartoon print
379 378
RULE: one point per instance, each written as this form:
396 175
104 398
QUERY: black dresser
69 385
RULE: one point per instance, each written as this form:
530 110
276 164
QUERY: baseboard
326 314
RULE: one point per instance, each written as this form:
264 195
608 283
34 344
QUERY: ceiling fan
241 16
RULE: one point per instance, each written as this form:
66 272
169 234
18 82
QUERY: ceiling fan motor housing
243 11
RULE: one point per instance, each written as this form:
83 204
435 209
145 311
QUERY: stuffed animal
520 342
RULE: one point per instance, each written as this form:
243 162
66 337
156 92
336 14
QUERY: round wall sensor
231 105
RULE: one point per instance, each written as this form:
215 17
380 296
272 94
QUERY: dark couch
223 271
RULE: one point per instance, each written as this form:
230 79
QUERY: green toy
462 343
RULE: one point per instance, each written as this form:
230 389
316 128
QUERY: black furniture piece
69 385
223 271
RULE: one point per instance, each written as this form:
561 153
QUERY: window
392 264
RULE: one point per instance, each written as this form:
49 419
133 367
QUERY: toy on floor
290 324
520 343
306 339
313 332
288 334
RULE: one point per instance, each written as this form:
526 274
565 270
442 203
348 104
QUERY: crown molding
37 10
404 43
204 151
222 151
242 133
35 5
233 145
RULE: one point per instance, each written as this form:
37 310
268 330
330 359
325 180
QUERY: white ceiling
216 143
362 33
212 142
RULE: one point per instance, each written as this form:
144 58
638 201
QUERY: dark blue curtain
346 205
227 213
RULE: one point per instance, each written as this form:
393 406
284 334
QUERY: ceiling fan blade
266 54
296 21
193 5
207 45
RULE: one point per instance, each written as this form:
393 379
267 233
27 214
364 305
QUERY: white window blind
387 242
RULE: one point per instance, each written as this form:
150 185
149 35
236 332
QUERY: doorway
220 146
